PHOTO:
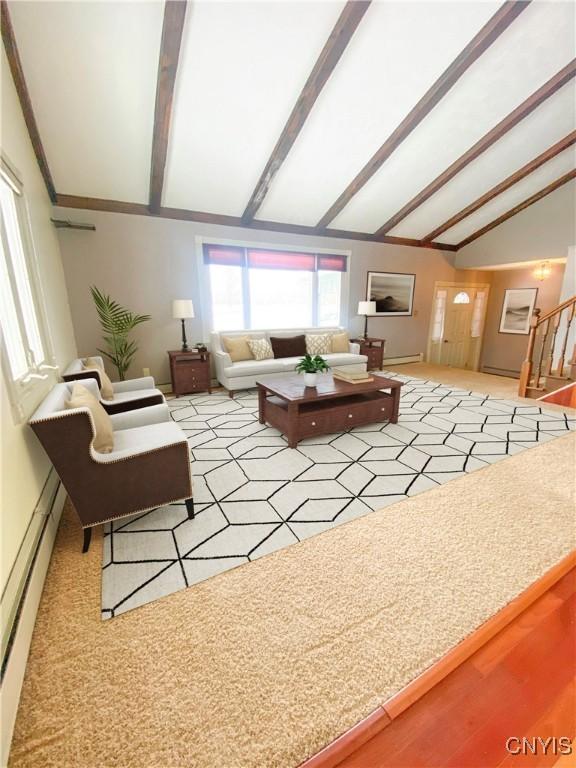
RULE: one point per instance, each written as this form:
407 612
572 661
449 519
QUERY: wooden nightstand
374 349
190 372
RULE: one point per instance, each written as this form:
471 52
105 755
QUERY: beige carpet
487 383
263 665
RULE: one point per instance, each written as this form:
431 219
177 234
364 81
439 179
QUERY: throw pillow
260 349
318 344
288 346
104 438
106 389
237 347
340 342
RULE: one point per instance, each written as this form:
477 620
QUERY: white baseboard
402 360
27 587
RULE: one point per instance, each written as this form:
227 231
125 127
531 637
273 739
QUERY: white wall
543 231
145 262
569 280
24 465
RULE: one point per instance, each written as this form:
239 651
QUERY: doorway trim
463 285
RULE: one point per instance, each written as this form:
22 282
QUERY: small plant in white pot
311 367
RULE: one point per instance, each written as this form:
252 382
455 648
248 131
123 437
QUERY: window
438 318
263 288
478 315
461 298
26 355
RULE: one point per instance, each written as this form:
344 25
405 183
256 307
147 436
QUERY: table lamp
366 308
182 309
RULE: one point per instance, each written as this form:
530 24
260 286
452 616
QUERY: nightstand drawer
195 365
188 360
374 358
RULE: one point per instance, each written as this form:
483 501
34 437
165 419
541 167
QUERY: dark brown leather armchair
148 467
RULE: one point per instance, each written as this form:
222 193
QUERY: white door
457 324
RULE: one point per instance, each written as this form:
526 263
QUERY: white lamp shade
366 307
182 309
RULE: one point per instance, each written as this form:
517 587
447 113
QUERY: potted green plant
117 322
311 367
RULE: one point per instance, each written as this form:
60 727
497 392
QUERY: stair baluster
562 358
555 321
526 370
538 370
540 352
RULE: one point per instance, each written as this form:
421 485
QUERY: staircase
550 362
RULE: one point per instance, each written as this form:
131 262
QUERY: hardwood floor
565 396
521 683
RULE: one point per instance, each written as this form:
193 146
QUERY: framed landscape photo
517 310
393 293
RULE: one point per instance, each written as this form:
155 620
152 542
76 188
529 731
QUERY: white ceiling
534 135
545 175
241 70
533 49
396 54
91 70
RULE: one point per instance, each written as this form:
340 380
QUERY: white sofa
245 373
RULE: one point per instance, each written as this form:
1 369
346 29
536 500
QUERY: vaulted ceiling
415 122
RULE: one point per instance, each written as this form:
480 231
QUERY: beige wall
502 351
24 465
146 262
543 231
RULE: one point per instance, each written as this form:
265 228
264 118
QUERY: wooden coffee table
298 411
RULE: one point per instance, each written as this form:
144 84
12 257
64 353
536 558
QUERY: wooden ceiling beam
505 125
335 46
514 178
25 103
172 28
520 207
489 33
102 204
181 214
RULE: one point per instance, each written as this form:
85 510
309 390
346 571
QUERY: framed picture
393 293
517 310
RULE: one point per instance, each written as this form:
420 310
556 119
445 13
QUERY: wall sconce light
543 271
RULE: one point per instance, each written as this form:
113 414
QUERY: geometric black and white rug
254 495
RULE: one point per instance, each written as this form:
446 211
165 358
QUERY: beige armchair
148 467
128 395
